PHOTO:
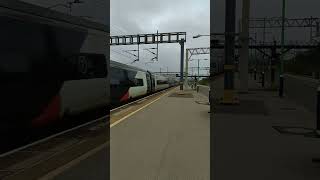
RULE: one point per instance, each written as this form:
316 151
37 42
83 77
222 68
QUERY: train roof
125 66
43 12
128 67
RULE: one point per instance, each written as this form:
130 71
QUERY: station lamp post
282 48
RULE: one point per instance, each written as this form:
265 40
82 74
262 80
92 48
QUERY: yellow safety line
132 113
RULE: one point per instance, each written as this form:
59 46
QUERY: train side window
139 82
162 82
117 76
133 80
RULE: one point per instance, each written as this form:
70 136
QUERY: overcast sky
148 16
191 16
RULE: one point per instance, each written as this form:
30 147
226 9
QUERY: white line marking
72 163
50 137
132 113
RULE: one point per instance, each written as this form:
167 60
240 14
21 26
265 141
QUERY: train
55 67
128 83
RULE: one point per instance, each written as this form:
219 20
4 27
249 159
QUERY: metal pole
264 31
244 52
138 53
198 69
181 63
157 45
311 30
318 109
262 79
240 26
187 70
256 40
282 48
318 29
230 18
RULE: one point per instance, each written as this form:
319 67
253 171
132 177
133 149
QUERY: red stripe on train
125 97
50 113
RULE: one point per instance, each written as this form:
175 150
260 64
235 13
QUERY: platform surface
168 139
246 146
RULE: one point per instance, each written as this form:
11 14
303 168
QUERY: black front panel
119 84
31 60
161 82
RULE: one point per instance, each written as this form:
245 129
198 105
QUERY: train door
153 85
149 83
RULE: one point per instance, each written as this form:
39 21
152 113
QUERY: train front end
50 69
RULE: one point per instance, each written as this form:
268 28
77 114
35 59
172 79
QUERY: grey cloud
147 16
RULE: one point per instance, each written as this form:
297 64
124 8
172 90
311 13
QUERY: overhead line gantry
155 38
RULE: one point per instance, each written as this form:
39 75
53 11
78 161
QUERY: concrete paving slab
169 139
247 147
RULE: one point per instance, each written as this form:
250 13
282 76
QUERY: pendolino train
127 83
54 67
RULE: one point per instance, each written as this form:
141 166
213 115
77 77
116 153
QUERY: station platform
247 141
166 138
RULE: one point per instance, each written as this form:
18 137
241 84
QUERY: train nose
49 114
